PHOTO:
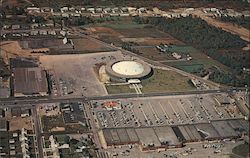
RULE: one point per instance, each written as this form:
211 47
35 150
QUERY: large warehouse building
125 70
30 82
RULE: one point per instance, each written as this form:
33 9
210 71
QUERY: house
64 9
65 15
35 25
33 10
43 32
47 10
34 33
15 27
92 10
52 32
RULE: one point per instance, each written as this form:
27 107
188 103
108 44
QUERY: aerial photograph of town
124 78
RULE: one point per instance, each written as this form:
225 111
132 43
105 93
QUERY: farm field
117 32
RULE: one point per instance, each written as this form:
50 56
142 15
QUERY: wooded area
211 40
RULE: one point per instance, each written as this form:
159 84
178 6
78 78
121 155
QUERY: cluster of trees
235 60
242 21
36 19
201 71
230 79
4 71
14 10
196 31
211 40
128 46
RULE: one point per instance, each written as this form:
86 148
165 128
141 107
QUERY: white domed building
125 70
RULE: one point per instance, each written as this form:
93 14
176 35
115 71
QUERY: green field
199 60
166 81
119 89
181 49
160 81
190 68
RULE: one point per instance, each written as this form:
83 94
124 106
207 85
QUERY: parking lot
75 75
174 110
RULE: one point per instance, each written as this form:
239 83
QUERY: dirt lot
86 45
105 31
18 123
12 49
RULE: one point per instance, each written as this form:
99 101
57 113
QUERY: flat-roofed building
30 82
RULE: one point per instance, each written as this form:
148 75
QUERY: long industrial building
30 82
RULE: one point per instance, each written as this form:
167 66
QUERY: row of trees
4 71
242 21
229 78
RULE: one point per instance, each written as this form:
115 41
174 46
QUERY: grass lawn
182 49
190 68
166 81
119 89
198 59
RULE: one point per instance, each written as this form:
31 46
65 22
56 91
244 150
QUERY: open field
52 123
12 49
123 25
126 30
87 45
161 81
18 123
142 32
115 89
151 52
198 58
158 41
56 46
166 81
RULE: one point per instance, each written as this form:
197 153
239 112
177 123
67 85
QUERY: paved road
38 131
29 101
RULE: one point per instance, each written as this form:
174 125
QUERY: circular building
124 70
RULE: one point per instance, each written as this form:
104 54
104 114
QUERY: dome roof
128 68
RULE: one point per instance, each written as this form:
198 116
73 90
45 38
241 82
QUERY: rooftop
30 80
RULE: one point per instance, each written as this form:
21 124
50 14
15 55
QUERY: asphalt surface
29 101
